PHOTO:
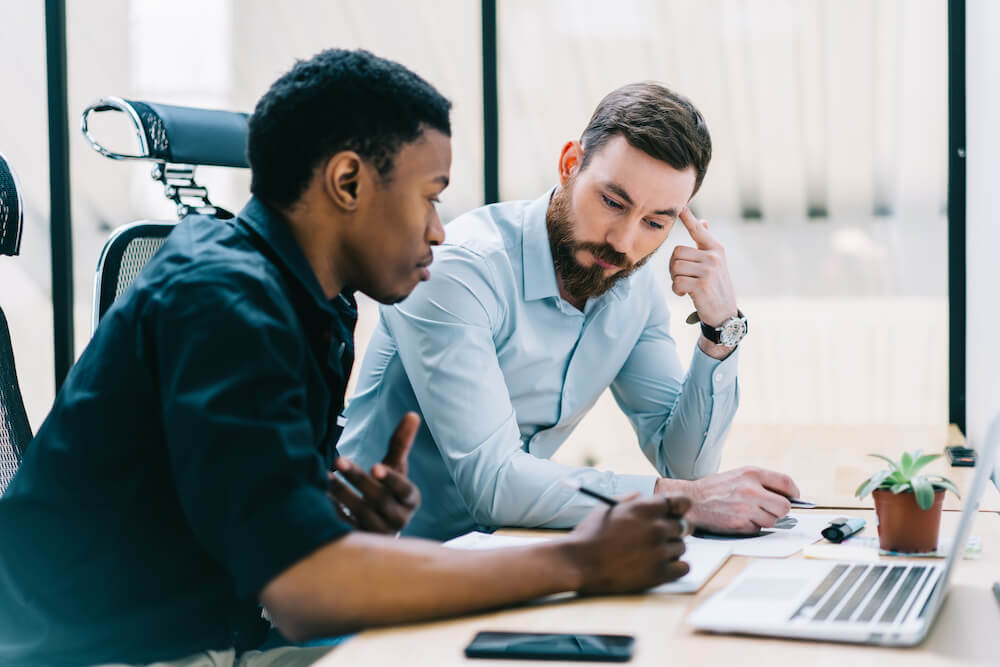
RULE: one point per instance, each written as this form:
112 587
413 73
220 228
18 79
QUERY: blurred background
828 184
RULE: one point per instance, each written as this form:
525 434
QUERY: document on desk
792 533
704 556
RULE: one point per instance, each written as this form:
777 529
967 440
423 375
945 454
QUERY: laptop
888 603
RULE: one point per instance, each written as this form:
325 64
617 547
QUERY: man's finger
401 441
399 485
370 488
675 570
697 230
683 267
361 513
779 483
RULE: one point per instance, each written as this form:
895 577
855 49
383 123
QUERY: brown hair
657 121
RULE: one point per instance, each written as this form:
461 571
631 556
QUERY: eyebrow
620 191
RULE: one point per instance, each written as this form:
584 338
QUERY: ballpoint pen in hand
686 528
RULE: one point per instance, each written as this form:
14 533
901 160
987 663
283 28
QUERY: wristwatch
729 334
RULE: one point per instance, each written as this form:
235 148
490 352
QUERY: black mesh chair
15 432
176 140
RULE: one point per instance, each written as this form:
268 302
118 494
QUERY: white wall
982 214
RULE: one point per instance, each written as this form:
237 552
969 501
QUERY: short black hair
337 100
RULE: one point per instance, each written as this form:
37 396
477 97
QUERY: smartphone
548 646
961 456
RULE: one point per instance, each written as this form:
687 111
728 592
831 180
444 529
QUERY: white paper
779 542
704 556
475 540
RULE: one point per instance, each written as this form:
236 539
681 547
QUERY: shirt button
718 377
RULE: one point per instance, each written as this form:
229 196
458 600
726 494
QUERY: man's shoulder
487 239
488 230
211 262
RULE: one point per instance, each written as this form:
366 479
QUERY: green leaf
921 461
871 483
899 477
906 464
892 464
944 483
924 491
899 488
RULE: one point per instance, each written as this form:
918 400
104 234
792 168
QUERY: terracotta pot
903 526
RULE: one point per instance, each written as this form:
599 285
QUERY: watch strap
714 334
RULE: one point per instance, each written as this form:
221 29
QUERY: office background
829 182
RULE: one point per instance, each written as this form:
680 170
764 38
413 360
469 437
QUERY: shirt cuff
625 484
712 375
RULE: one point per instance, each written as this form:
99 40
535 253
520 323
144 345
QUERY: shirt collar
537 266
273 230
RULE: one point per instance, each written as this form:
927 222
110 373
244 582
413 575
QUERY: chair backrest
125 253
177 140
15 432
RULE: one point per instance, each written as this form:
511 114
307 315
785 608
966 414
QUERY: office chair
177 140
15 432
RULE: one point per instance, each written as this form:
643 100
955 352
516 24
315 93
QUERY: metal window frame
956 214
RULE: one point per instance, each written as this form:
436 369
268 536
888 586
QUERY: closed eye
611 203
654 224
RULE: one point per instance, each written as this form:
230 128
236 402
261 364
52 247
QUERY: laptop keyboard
859 593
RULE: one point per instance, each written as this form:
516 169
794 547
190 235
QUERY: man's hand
388 498
702 274
737 501
632 546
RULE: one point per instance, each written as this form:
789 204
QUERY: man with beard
180 480
536 308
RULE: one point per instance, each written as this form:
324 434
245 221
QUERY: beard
581 282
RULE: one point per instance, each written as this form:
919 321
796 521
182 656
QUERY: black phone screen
549 646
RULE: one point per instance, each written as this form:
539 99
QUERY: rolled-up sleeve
681 421
242 450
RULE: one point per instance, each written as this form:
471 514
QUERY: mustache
606 254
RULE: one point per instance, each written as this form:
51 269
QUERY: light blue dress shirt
502 369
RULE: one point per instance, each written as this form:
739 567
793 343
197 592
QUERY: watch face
733 332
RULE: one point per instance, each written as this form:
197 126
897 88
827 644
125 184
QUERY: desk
967 631
828 462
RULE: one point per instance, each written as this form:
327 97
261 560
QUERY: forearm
528 491
690 444
364 581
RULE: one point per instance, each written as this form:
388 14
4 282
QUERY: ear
342 178
570 161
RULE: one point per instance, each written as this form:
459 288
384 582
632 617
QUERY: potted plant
907 504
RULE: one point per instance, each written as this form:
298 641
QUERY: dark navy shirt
183 465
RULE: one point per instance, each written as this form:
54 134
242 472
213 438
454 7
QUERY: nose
622 236
435 231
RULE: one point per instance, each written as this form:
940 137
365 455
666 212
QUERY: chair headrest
11 210
177 135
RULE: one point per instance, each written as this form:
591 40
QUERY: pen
686 528
805 504
576 486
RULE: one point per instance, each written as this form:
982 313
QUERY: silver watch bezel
732 331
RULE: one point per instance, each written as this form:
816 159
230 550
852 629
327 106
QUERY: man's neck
317 247
579 304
